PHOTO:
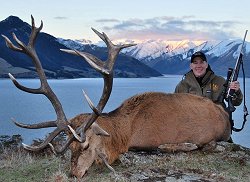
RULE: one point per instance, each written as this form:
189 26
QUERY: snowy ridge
224 47
158 48
70 43
151 50
74 44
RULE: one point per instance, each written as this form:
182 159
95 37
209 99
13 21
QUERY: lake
31 108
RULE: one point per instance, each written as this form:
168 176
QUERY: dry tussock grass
15 158
230 163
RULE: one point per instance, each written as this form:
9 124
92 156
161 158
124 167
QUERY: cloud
170 28
60 17
107 20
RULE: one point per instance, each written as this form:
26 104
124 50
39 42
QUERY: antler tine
23 88
63 148
103 36
45 142
69 51
91 105
126 45
61 122
35 126
10 45
34 32
20 43
113 50
94 62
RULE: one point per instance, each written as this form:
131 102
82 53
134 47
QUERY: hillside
56 63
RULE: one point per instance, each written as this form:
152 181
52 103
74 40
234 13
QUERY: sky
136 20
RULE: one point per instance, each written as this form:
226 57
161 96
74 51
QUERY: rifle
231 77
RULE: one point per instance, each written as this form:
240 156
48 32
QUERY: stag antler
106 69
61 122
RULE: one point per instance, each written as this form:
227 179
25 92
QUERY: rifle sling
245 106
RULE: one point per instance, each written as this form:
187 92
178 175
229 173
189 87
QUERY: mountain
146 59
173 57
58 64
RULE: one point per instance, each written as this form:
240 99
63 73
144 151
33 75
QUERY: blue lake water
31 108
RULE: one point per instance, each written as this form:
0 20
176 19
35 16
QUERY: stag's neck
119 124
119 129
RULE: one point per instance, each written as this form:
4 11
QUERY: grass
231 164
213 164
21 166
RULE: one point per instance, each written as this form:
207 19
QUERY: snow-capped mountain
76 44
150 50
173 57
224 47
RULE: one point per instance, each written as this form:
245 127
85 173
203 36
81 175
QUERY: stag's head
83 155
83 138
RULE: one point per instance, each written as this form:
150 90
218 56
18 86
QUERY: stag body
147 121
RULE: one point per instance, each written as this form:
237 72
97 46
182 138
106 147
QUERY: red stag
146 121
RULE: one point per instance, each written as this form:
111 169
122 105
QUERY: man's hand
235 85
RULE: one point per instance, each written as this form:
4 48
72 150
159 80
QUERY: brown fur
149 120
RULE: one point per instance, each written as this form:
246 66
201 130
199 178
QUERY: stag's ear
98 130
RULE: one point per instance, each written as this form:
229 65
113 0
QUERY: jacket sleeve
182 87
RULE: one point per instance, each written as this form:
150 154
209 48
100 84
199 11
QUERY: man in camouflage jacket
202 81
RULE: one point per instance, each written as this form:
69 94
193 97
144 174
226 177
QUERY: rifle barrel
235 72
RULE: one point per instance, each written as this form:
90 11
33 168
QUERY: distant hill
56 63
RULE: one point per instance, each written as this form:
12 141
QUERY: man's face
199 67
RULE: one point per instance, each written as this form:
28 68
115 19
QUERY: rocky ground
228 162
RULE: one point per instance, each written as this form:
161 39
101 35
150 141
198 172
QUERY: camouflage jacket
211 87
